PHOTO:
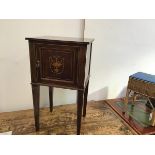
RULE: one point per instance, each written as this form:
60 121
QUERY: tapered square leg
36 100
80 100
85 99
51 98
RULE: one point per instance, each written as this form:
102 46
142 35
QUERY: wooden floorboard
100 120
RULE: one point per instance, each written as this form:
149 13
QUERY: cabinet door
58 64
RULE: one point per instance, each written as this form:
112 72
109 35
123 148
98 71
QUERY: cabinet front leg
36 97
85 99
80 98
51 98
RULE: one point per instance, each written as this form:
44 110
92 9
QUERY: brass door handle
37 64
37 69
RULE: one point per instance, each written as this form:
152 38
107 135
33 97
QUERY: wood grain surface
100 120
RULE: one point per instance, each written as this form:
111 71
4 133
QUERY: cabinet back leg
51 98
85 99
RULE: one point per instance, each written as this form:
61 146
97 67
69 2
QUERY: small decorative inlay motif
56 64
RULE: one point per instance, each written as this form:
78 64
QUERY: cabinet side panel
87 66
81 66
33 58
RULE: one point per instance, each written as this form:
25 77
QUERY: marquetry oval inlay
56 64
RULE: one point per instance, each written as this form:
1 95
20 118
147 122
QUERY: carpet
100 120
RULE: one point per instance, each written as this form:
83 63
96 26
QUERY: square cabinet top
61 39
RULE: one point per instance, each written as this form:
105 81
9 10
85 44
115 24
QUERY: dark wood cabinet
63 63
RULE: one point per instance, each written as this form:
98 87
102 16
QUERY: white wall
121 48
15 88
